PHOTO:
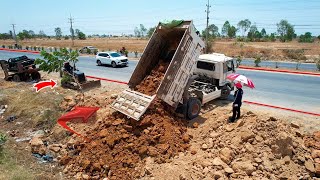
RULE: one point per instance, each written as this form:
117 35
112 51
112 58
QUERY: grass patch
39 109
10 169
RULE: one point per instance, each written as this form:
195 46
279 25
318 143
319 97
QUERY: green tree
58 33
285 30
137 32
150 31
232 32
213 31
263 32
225 28
272 37
319 37
53 62
42 34
252 32
307 37
143 30
244 25
81 36
257 61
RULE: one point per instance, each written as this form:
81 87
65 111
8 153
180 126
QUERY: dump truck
19 69
188 82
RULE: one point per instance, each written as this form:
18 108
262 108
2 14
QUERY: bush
66 37
27 47
3 139
66 79
89 51
318 63
55 49
136 54
257 61
95 52
3 46
239 59
34 48
42 48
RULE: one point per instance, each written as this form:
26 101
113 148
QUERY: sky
117 17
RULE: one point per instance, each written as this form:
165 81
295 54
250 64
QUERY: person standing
237 102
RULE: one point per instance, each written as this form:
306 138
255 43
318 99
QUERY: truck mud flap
132 103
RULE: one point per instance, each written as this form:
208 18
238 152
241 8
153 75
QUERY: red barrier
282 108
279 70
20 50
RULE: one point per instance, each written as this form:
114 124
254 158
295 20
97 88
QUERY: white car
111 58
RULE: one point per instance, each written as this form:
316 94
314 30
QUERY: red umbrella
238 78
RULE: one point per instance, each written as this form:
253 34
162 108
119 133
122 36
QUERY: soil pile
119 145
150 84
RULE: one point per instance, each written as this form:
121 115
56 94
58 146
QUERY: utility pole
207 29
71 29
14 34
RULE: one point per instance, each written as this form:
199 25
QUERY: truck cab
215 66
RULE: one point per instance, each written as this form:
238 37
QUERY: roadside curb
282 108
20 50
279 70
108 80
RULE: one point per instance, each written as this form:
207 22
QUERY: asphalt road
301 92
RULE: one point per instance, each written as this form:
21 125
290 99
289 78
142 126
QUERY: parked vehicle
20 69
88 49
191 79
111 58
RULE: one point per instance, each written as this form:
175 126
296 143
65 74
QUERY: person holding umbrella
237 102
239 80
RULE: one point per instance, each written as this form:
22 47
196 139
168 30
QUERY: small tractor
20 69
76 80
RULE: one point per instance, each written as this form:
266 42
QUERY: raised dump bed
163 70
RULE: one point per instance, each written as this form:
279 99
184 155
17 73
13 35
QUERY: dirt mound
254 147
119 145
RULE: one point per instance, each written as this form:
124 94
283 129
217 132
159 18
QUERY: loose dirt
119 145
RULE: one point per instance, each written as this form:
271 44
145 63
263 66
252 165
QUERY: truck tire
35 76
193 108
225 92
16 78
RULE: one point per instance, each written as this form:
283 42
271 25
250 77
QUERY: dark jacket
238 97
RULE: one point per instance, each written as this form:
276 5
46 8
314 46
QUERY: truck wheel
35 76
194 107
113 64
99 63
16 78
225 92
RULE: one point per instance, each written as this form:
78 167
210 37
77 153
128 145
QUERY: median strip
20 50
279 70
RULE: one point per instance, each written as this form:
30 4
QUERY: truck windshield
205 65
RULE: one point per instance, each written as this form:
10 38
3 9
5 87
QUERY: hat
238 85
